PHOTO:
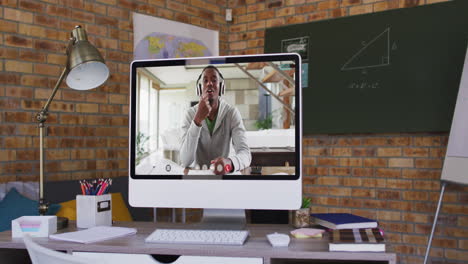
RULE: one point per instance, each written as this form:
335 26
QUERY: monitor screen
223 122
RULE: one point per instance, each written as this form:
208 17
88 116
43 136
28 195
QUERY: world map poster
158 38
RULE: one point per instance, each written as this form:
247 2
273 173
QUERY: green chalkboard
392 71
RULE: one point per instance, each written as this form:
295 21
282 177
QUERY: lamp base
62 222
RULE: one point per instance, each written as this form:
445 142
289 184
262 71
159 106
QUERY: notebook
353 240
94 234
343 221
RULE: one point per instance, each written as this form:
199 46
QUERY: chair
43 255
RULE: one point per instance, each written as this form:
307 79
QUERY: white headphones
221 84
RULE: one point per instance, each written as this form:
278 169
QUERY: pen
109 181
102 187
98 187
83 191
86 187
94 187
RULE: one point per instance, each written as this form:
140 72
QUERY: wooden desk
257 246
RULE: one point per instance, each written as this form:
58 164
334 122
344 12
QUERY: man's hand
221 164
204 109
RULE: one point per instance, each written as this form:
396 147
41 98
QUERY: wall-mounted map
157 38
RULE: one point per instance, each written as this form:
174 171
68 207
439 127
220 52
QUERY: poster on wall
158 38
297 45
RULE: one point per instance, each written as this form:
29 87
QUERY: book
94 234
343 221
354 240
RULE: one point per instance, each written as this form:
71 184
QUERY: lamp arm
41 117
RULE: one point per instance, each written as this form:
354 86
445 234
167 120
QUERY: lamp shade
87 69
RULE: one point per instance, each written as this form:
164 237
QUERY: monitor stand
223 219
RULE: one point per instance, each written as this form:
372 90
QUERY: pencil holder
301 218
93 210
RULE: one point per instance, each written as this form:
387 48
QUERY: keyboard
189 236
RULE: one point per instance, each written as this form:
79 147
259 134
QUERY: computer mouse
278 240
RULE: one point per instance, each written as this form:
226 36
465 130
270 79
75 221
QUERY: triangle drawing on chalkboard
375 53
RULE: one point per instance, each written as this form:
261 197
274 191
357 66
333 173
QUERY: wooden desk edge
256 246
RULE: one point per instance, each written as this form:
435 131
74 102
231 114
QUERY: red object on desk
83 190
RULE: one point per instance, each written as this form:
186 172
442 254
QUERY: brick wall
393 178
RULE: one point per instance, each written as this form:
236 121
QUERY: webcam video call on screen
218 133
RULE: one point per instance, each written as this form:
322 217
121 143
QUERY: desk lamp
85 70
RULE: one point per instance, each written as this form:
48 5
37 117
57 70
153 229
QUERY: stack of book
352 233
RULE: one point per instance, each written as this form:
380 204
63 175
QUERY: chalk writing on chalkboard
423 49
375 53
364 85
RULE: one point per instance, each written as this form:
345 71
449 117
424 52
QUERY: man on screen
209 127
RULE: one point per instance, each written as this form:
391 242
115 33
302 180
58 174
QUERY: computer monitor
216 132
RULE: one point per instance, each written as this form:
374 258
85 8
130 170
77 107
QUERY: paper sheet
94 234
